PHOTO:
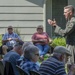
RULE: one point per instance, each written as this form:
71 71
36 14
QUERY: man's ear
70 13
61 57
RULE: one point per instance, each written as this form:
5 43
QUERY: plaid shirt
28 65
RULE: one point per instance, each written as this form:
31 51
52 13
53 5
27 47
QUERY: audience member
25 44
14 55
55 65
10 39
31 56
41 40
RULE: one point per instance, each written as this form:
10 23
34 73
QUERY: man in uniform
69 31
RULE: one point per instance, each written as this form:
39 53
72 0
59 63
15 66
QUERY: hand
73 68
43 40
9 39
16 39
53 23
50 40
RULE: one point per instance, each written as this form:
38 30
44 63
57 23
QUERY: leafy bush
58 42
0 39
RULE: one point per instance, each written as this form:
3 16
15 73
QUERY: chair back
34 73
21 72
1 68
8 69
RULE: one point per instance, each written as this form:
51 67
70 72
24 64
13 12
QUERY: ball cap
62 50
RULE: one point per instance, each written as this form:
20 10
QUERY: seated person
10 39
25 44
31 56
13 56
55 65
41 40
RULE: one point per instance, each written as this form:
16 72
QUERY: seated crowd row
27 54
39 39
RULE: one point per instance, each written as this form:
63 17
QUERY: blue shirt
12 57
28 65
13 36
22 57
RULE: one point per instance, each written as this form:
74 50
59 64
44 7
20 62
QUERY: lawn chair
1 68
34 73
8 69
21 72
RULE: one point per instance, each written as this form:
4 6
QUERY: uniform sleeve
70 27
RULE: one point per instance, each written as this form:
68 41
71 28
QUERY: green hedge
58 41
0 39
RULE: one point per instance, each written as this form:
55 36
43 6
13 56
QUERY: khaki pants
71 48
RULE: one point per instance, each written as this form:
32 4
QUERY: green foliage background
0 39
58 41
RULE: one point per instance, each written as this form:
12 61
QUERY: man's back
52 66
12 57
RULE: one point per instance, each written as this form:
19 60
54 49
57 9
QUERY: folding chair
21 72
1 68
34 73
8 69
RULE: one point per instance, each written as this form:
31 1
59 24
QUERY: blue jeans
43 49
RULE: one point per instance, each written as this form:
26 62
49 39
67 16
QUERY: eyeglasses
37 54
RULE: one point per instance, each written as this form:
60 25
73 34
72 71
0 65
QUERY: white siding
25 15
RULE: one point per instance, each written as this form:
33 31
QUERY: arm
72 70
34 38
70 27
5 39
17 38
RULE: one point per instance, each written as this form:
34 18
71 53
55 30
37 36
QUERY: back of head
26 44
30 51
18 48
61 50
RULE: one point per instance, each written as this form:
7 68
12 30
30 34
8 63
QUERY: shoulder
53 61
15 33
72 19
35 33
5 34
45 33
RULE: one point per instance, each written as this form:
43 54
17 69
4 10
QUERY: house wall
25 15
71 2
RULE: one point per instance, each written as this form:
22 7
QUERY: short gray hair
30 51
70 7
26 44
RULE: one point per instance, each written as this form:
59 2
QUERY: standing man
69 31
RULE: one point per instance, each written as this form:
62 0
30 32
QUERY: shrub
0 39
58 42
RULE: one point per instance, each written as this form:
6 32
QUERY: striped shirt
52 66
